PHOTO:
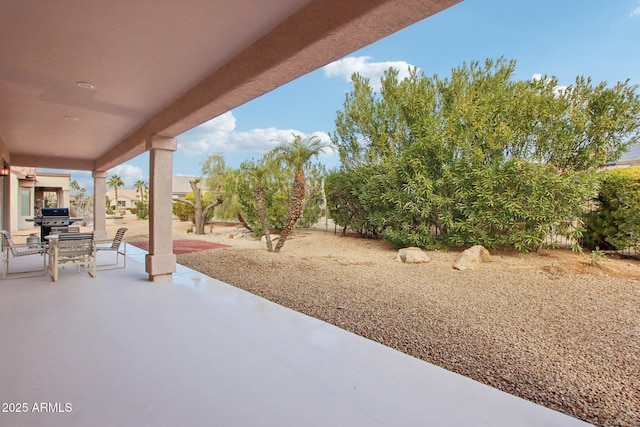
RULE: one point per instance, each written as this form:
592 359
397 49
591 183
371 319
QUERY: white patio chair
65 229
117 245
21 250
78 251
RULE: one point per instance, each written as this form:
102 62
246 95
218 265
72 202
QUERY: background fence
557 235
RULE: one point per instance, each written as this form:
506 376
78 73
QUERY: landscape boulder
412 255
472 258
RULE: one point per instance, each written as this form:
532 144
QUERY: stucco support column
160 262
99 206
5 181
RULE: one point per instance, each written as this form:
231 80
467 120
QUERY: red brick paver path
184 246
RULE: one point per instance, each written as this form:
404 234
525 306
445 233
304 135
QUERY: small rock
472 258
412 255
273 237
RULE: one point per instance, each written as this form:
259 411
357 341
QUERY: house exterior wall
26 194
57 182
22 202
127 198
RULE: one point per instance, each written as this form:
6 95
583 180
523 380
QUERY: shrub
141 210
615 224
343 201
477 157
183 211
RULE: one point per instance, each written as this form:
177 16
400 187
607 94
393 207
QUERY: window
25 203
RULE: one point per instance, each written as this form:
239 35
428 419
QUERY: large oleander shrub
474 158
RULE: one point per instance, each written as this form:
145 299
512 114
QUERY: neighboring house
127 197
630 158
32 190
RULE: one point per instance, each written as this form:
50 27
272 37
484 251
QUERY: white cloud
635 12
128 173
261 140
362 65
219 136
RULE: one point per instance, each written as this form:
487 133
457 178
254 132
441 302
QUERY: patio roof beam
320 32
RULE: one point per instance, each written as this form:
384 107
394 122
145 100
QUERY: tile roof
181 184
631 157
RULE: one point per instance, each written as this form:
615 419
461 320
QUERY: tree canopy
277 179
477 157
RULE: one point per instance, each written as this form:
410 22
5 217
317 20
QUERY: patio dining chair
65 229
79 251
117 245
10 249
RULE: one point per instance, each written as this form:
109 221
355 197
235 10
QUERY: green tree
477 157
277 181
115 182
200 212
222 181
297 153
260 172
142 206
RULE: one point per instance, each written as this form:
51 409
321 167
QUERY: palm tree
261 208
140 187
296 154
73 184
115 181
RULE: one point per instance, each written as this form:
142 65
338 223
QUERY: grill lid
58 212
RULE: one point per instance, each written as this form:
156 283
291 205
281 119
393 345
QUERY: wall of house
127 198
5 189
22 202
59 182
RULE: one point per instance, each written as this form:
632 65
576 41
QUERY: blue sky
562 38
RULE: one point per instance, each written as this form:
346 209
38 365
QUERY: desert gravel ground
547 327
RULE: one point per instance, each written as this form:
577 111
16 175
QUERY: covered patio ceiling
84 84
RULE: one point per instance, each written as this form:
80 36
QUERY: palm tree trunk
262 214
296 206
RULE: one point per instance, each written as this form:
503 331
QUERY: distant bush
183 211
615 224
141 210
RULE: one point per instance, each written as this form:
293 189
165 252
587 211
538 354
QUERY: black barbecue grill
53 217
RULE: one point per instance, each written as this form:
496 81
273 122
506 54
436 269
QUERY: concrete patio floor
118 350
